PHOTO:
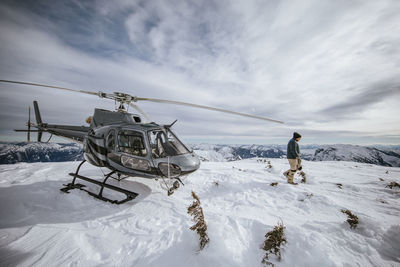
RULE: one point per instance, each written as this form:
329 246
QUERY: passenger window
132 142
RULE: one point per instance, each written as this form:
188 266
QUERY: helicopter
125 144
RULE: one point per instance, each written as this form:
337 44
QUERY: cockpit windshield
164 143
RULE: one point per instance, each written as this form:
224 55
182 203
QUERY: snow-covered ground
40 226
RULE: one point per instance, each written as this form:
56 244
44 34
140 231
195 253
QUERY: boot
303 175
290 178
286 174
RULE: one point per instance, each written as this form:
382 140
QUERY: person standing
293 156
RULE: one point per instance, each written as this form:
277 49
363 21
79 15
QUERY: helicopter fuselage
129 149
120 141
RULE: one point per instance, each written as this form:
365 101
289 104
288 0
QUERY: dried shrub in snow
274 184
200 225
269 165
351 218
273 242
308 196
381 179
393 184
216 183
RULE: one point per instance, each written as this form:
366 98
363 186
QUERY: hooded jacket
293 150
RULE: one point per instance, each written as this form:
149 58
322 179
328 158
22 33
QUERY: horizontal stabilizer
17 130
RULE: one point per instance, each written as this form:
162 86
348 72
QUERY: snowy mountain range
384 156
11 153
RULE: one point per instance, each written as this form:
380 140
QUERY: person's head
296 136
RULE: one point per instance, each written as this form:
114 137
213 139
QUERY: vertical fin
37 113
38 120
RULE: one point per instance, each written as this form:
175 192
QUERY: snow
41 226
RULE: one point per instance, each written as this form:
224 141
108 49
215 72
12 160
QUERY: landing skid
129 194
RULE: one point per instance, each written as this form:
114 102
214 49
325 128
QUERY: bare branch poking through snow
352 219
273 242
200 225
393 184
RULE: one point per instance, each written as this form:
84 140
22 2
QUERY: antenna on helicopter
170 125
123 98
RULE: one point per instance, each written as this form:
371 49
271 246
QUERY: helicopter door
132 142
134 151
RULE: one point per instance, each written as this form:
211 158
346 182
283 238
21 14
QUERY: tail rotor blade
39 136
29 125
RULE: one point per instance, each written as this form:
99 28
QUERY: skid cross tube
129 194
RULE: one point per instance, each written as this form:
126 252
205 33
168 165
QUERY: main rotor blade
204 107
141 111
51 86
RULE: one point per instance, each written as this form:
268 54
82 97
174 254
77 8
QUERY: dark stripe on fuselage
99 149
93 149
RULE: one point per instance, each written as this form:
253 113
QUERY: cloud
364 99
309 63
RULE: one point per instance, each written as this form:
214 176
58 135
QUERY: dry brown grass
351 218
200 225
273 242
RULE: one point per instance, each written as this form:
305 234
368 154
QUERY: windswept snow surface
41 226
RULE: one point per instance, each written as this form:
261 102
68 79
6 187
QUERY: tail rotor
28 138
29 124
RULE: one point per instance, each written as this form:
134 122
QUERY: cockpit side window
111 140
164 143
156 147
131 142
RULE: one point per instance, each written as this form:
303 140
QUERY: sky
329 69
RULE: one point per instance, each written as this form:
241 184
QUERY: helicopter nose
195 161
189 163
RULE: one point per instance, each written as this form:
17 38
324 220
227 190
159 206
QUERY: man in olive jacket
293 156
